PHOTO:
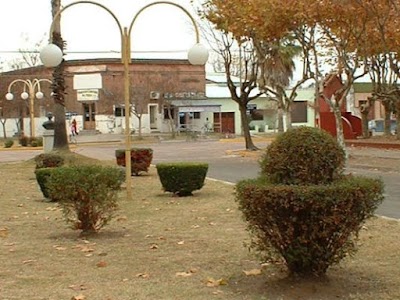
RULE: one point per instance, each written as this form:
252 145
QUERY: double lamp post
52 56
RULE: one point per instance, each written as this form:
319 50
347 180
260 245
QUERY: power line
90 52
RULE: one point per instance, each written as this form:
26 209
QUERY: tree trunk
281 127
246 129
4 128
398 119
60 130
339 128
364 123
140 127
387 123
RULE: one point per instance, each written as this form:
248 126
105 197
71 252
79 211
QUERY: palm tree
60 131
277 72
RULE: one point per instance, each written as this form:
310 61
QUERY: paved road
225 164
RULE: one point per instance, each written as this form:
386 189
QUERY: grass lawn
164 247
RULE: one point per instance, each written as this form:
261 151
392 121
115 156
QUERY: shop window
196 115
119 111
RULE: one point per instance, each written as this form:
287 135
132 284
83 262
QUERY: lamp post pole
51 56
33 87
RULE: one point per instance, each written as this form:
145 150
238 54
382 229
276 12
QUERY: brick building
95 95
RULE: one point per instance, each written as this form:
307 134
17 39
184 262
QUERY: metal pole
125 55
32 108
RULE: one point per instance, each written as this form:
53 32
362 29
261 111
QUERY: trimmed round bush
182 178
87 194
302 209
303 155
8 143
310 227
140 159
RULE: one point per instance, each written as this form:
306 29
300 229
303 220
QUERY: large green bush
302 208
303 155
182 178
310 226
87 194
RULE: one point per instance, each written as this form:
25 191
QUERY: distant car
377 126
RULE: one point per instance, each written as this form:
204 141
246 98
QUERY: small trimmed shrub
302 209
35 141
140 159
303 155
48 160
87 194
23 140
8 143
310 226
42 178
182 178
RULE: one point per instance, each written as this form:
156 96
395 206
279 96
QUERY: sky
159 31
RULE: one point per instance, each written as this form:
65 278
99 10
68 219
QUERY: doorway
89 116
227 122
153 108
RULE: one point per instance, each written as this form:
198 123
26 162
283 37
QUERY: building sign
88 95
200 108
185 95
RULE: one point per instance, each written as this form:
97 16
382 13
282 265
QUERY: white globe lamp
51 55
24 95
9 96
39 95
198 55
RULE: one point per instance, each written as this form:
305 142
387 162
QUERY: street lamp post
51 56
31 90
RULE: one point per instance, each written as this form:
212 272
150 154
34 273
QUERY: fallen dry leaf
142 275
59 248
78 297
181 242
28 261
76 287
211 282
253 272
84 248
154 246
101 264
183 274
218 292
3 232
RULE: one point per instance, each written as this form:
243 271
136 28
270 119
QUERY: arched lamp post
31 90
51 56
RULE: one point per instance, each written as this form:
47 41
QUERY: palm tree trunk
60 130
